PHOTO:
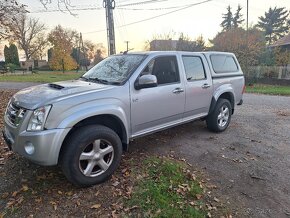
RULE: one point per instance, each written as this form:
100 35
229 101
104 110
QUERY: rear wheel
220 118
91 155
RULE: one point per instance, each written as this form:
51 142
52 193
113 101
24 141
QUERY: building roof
283 41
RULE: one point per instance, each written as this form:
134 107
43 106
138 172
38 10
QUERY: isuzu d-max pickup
84 125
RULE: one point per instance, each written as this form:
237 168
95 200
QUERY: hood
36 96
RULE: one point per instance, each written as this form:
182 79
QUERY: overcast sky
203 19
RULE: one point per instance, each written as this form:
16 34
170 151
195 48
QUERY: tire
220 118
91 155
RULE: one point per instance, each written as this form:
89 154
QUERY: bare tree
9 9
100 53
30 35
63 5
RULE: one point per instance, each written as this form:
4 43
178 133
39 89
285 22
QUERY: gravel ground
16 85
249 162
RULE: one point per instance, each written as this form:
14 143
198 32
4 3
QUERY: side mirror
146 81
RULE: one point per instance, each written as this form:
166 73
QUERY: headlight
38 118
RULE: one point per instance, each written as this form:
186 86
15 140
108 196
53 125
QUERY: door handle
205 86
178 90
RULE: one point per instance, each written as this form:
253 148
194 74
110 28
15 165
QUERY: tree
30 36
185 43
232 21
49 54
200 44
62 41
7 55
11 54
14 54
274 24
227 19
99 55
85 53
238 18
9 9
282 57
235 41
42 43
63 5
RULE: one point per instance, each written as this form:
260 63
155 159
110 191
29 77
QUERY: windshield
114 69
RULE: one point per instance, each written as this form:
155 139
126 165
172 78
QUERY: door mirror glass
146 81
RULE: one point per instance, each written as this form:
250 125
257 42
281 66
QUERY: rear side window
223 63
194 69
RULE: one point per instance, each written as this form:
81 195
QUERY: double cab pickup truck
84 125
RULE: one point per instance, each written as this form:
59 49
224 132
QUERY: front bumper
41 147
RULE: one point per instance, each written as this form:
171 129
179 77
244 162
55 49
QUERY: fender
73 114
225 88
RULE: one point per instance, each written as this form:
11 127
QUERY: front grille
15 114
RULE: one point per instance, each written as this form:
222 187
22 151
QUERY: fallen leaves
25 188
96 206
54 204
283 113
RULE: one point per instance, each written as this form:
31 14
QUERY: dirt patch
283 113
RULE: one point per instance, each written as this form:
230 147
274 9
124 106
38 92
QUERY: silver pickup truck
84 125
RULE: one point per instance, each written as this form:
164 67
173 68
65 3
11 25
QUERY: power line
73 9
151 9
92 7
143 3
154 17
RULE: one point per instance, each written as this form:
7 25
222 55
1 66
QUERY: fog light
29 148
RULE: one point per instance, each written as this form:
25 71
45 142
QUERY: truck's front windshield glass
114 69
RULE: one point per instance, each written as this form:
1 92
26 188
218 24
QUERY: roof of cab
176 52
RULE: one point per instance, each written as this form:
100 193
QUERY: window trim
226 55
194 80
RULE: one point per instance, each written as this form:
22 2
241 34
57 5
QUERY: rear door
198 86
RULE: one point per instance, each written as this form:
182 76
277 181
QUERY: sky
201 19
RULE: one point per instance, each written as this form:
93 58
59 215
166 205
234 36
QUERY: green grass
41 77
167 190
269 89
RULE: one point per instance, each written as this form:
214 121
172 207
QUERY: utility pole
109 5
79 53
83 50
127 42
247 39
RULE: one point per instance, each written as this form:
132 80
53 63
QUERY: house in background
283 43
163 44
33 64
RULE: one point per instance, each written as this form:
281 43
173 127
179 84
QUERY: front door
158 107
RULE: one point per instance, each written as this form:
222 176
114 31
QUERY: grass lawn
269 89
41 77
168 189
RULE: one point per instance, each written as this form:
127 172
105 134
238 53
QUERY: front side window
194 69
114 69
164 68
223 63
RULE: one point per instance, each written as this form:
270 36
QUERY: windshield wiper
95 79
99 80
84 78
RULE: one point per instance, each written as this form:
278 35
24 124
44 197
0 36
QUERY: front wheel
91 155
220 118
